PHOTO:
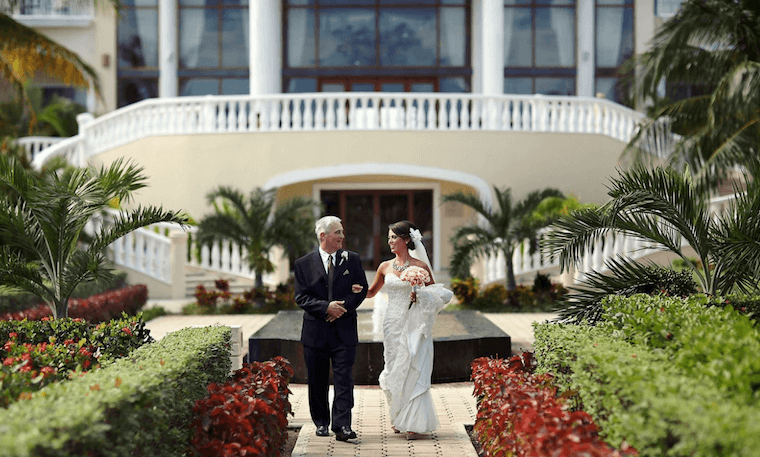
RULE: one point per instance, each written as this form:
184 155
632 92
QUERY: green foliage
154 312
258 223
668 210
43 223
12 301
466 290
506 225
139 405
713 48
257 300
671 376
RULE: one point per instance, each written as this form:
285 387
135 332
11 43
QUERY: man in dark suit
329 333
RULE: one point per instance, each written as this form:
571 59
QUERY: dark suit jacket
311 295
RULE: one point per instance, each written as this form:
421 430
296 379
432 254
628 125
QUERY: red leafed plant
246 416
519 414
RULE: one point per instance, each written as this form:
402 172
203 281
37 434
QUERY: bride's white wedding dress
408 353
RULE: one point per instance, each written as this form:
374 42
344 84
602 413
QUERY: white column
265 39
586 48
490 32
167 48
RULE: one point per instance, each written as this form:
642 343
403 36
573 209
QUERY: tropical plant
41 220
667 210
25 52
55 117
258 223
713 48
503 229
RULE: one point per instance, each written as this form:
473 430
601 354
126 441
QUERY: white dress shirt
326 257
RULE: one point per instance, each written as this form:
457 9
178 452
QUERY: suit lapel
318 265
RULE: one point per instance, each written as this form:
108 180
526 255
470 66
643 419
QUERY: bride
407 332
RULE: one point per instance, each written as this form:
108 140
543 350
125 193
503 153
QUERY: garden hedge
138 405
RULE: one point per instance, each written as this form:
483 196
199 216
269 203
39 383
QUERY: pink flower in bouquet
416 276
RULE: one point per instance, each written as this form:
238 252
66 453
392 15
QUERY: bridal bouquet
415 276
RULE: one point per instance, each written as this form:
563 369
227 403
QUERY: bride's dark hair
403 229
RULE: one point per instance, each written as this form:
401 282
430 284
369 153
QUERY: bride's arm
378 282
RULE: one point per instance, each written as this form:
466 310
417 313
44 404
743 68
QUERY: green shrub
638 395
466 290
137 405
257 300
13 301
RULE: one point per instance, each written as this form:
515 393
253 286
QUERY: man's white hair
325 224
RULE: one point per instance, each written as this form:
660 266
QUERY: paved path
454 402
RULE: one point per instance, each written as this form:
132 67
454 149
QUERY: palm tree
258 225
41 220
24 52
667 209
504 227
712 47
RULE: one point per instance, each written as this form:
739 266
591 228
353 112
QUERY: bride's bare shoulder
418 263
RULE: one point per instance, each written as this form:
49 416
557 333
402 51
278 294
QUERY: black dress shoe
344 433
322 430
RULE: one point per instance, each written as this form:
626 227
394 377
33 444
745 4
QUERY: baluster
274 115
342 107
454 108
431 117
164 261
331 107
129 249
242 109
225 256
216 257
205 256
139 263
308 109
320 114
297 120
410 110
235 258
421 111
264 116
464 116
151 257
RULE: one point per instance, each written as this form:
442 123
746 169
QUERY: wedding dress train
408 353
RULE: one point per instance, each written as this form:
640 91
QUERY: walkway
454 402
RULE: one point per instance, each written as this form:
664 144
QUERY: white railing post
178 259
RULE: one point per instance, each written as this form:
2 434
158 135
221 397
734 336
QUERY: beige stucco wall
183 169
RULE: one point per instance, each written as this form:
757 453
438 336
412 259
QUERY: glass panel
360 233
138 38
516 2
452 37
452 2
235 2
416 2
235 38
198 2
301 41
301 2
555 37
235 86
300 85
454 85
333 87
346 2
423 218
614 36
139 3
199 86
198 38
555 2
392 87
331 202
607 88
393 208
423 87
555 86
518 37
520 86
362 87
135 89
346 37
407 37
614 2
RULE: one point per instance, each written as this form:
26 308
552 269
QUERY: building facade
376 108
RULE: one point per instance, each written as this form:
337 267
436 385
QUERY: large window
376 45
539 47
137 51
614 44
213 47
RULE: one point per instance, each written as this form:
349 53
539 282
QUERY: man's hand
334 310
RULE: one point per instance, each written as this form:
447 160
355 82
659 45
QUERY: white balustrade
355 111
35 13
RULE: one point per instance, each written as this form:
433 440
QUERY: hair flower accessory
415 235
415 276
343 256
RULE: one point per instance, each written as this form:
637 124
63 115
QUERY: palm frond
571 236
128 221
